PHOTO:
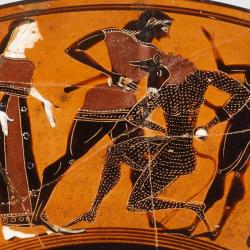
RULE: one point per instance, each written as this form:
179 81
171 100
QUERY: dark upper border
132 7
201 1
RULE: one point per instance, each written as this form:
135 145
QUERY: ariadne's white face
28 34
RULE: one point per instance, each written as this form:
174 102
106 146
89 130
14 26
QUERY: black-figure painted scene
124 126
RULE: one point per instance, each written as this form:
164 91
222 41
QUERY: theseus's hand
122 82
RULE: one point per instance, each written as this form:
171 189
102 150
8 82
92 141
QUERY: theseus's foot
58 229
88 217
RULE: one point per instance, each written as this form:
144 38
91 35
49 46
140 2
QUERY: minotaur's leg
233 155
215 193
116 154
153 180
110 177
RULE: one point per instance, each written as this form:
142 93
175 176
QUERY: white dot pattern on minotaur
173 156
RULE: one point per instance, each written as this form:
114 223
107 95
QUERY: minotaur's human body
175 156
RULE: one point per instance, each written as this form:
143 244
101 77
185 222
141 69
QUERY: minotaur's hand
152 92
201 133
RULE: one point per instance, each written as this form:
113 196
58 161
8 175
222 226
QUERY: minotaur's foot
88 217
199 209
185 231
154 223
213 235
57 229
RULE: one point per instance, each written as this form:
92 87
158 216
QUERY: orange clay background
55 70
